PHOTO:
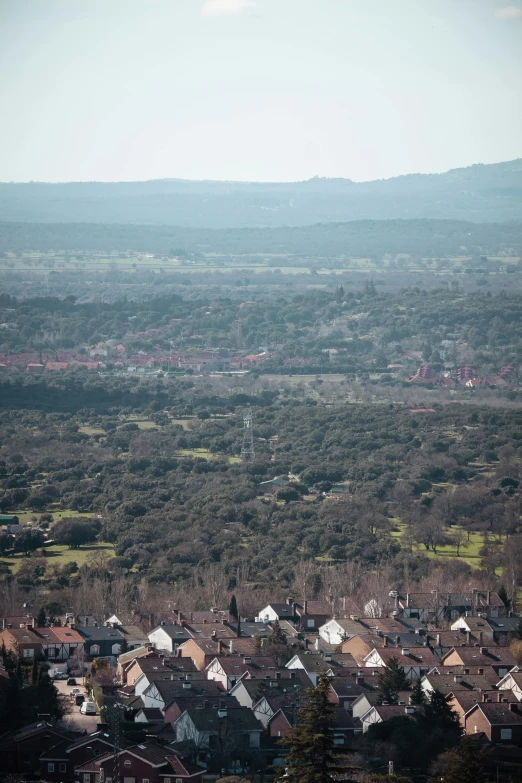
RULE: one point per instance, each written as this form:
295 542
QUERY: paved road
86 723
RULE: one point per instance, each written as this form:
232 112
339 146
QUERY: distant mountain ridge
478 193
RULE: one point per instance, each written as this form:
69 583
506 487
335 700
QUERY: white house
276 611
384 712
512 682
337 631
168 637
416 661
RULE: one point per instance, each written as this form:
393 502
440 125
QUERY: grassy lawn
204 454
86 430
469 553
60 554
25 516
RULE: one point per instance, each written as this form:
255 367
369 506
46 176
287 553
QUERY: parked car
75 691
79 699
71 681
88 708
60 676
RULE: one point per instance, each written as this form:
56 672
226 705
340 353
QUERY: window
338 739
50 766
28 653
310 623
506 734
63 767
145 780
179 780
86 777
166 780
95 649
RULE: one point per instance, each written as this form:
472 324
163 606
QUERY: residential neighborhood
208 694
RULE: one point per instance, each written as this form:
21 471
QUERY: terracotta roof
485 656
416 656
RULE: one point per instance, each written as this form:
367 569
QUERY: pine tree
392 681
438 713
311 756
277 636
418 696
502 594
466 763
518 633
41 620
232 610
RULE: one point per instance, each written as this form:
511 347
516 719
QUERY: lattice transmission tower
247 449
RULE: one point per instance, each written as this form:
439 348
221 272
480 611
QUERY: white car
88 708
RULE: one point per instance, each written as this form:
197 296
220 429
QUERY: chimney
219 647
513 707
289 601
457 678
305 607
437 639
385 640
484 697
231 646
489 597
407 599
317 645
480 638
499 697
247 659
468 637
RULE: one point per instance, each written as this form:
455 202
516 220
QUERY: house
503 628
20 750
499 658
453 683
220 731
344 691
162 674
416 661
314 664
159 693
462 702
132 635
168 637
101 641
153 663
203 651
248 692
127 660
55 643
380 713
273 485
139 763
362 644
512 682
22 640
60 761
281 722
478 627
501 723
228 669
277 611
338 630
436 606
312 614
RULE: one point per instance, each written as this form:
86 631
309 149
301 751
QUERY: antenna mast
247 449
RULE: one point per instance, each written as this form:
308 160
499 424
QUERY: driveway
86 723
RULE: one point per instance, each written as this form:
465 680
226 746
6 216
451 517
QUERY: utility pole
247 449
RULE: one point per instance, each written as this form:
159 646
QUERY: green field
204 454
25 516
469 553
60 554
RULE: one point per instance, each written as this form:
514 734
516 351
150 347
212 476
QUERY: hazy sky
256 89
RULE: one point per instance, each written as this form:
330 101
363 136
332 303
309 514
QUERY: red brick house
141 764
501 723
20 750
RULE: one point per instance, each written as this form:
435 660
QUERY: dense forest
361 238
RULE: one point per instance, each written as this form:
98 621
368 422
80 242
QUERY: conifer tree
392 681
41 619
437 713
277 636
312 756
232 610
418 696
